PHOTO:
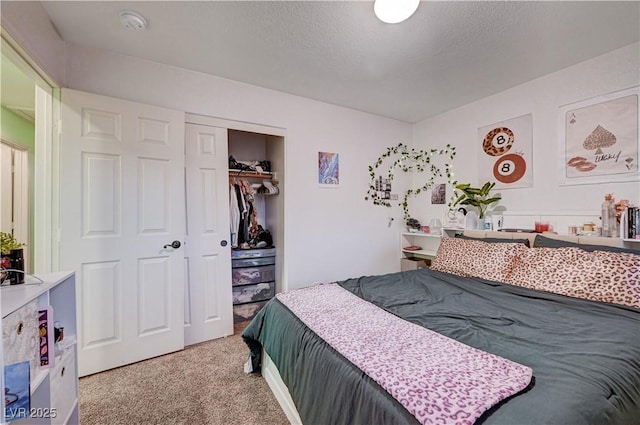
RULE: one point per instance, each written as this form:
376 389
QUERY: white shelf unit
427 241
54 389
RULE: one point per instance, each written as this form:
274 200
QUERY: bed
545 309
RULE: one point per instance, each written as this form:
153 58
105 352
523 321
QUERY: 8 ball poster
506 153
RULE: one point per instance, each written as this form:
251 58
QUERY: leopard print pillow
610 277
474 258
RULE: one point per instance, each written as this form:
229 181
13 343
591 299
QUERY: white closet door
208 300
122 202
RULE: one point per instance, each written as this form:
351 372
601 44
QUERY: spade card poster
601 138
506 153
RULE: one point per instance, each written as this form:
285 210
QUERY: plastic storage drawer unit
253 280
252 262
247 275
251 293
253 253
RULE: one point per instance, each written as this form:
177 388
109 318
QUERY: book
17 391
633 222
412 248
46 334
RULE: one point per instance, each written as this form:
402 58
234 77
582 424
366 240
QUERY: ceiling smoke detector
132 20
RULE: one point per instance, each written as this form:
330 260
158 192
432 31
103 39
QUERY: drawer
253 253
64 386
252 262
250 293
245 275
20 338
245 312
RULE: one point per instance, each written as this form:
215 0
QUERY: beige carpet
203 384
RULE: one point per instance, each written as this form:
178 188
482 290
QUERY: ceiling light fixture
132 20
394 11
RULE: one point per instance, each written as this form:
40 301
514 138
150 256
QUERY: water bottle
609 219
16 265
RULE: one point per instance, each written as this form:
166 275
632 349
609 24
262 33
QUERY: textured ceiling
446 55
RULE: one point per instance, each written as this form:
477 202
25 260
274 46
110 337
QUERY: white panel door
122 203
208 300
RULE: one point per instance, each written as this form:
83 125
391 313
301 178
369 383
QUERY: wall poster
599 140
328 169
439 194
507 153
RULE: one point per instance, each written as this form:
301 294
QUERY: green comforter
585 355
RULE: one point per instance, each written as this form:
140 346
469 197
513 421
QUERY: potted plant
478 197
10 249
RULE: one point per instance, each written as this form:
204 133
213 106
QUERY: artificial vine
411 160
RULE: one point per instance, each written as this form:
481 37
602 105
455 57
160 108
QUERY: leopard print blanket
437 379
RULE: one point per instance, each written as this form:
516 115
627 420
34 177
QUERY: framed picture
328 169
506 153
439 194
599 139
454 219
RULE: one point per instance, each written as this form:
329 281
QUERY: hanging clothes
251 221
234 215
244 226
242 207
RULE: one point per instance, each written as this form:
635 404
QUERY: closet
254 248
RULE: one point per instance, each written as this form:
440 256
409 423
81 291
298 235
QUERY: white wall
542 97
330 233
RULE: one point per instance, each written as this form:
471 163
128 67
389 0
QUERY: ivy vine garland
411 160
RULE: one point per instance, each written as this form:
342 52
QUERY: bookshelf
53 389
428 243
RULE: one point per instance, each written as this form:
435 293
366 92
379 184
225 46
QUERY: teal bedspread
585 355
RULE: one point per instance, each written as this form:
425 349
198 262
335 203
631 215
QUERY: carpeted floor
203 384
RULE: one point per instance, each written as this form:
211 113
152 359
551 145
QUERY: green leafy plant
411 160
479 197
8 242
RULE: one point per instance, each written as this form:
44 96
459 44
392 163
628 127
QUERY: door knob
174 244
223 243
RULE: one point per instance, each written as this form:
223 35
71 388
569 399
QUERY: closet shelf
249 174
